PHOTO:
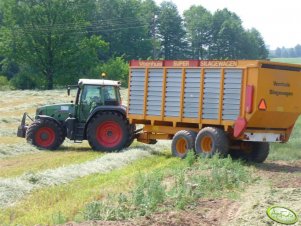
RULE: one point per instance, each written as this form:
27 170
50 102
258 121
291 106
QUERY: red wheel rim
109 134
45 137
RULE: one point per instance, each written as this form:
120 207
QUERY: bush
26 81
116 69
4 83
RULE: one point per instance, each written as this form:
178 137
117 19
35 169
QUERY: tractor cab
94 93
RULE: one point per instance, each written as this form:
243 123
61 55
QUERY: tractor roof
100 82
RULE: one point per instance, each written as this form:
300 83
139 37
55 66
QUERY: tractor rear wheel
131 139
182 142
210 141
45 134
108 131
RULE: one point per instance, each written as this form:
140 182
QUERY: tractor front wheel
108 131
45 134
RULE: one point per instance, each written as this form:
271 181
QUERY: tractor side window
110 95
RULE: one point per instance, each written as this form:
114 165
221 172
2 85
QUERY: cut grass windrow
68 200
13 167
12 190
11 150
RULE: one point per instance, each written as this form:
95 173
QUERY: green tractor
97 116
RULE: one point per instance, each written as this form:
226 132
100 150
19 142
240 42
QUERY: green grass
41 205
288 60
172 188
157 183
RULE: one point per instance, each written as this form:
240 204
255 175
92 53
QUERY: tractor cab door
91 96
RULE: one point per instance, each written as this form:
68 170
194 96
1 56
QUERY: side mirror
68 90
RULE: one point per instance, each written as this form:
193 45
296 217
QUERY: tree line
286 52
45 43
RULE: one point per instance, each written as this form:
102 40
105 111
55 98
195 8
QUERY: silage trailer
232 107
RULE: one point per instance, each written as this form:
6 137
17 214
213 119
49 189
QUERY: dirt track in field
278 183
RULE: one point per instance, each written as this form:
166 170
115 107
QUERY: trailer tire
45 134
182 142
108 131
260 152
210 141
256 152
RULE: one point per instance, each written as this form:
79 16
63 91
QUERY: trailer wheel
241 150
210 141
108 131
182 142
251 151
260 151
45 134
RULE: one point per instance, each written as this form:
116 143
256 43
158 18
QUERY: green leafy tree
198 22
171 31
149 15
227 35
116 69
298 50
254 46
120 23
48 38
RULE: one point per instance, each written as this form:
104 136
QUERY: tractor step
79 132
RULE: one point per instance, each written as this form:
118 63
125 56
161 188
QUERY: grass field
75 183
288 60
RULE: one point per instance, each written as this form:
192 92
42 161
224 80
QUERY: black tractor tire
182 143
256 152
211 141
108 131
131 129
45 134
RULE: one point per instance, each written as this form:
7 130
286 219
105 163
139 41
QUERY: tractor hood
58 111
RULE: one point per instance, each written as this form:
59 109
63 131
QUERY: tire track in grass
14 189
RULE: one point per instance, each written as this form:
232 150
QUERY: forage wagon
228 107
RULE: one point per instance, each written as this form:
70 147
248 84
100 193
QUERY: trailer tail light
262 105
249 98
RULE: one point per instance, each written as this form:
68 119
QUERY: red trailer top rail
184 63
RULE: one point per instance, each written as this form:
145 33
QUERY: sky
278 21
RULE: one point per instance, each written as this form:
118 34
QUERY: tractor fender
49 118
121 109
